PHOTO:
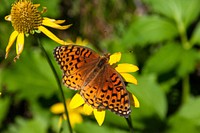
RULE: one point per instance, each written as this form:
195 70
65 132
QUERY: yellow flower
74 114
123 69
79 41
78 101
26 19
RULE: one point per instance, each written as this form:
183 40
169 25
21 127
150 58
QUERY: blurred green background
162 37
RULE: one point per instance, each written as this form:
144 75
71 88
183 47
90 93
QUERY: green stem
59 84
186 89
186 45
128 120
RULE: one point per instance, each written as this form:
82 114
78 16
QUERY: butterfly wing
117 96
108 91
75 61
91 90
105 90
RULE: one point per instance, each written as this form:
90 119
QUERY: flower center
25 17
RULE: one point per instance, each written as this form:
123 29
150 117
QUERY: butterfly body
95 70
100 85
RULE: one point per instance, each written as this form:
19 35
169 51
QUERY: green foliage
162 40
149 29
188 117
95 128
178 10
24 126
154 102
195 36
52 7
4 105
168 57
38 75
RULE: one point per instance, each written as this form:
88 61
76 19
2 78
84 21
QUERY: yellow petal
59 21
55 21
67 43
76 101
20 43
99 116
70 41
136 102
75 118
50 35
57 108
48 22
129 78
125 67
81 42
8 18
114 58
36 5
12 38
87 109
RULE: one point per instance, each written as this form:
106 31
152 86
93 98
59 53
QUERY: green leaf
185 11
52 8
182 125
149 29
94 128
31 76
188 62
196 36
191 110
54 123
1 78
151 97
5 6
188 117
35 125
113 119
4 106
164 60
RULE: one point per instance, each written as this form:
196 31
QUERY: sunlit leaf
185 11
195 39
31 77
164 60
149 29
188 117
151 97
188 62
37 125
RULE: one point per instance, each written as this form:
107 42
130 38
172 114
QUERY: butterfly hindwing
116 97
91 91
107 91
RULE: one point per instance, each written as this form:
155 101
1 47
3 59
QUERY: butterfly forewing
76 62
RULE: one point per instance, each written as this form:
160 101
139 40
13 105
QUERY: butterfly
100 85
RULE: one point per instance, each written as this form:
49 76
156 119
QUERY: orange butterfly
100 85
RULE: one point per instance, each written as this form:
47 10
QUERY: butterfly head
107 56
